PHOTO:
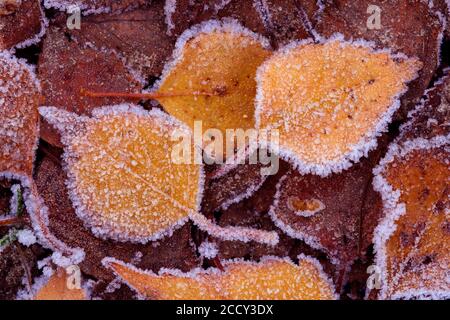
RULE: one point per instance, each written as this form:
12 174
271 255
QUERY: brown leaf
65 69
138 36
21 23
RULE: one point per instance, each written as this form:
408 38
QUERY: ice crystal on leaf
416 252
218 60
412 242
122 178
330 100
271 278
19 99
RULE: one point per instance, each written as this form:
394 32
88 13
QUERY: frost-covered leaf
182 14
329 213
58 287
329 101
218 60
138 36
65 68
272 278
430 118
413 240
287 20
175 251
123 179
95 6
406 26
225 185
22 23
19 99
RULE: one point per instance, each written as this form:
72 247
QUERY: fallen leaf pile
99 201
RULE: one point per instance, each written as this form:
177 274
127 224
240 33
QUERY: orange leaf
272 278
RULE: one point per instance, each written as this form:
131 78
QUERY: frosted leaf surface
329 101
408 26
138 37
22 23
95 6
219 59
174 251
272 278
329 213
121 177
413 240
65 67
19 99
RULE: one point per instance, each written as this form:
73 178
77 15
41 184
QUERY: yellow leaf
220 59
329 101
125 179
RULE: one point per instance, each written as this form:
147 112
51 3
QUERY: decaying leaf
329 101
225 185
19 100
59 287
412 242
287 20
138 36
183 14
22 23
123 178
272 278
65 68
409 27
329 213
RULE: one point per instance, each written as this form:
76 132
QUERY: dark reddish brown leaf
331 213
138 36
65 68
21 23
